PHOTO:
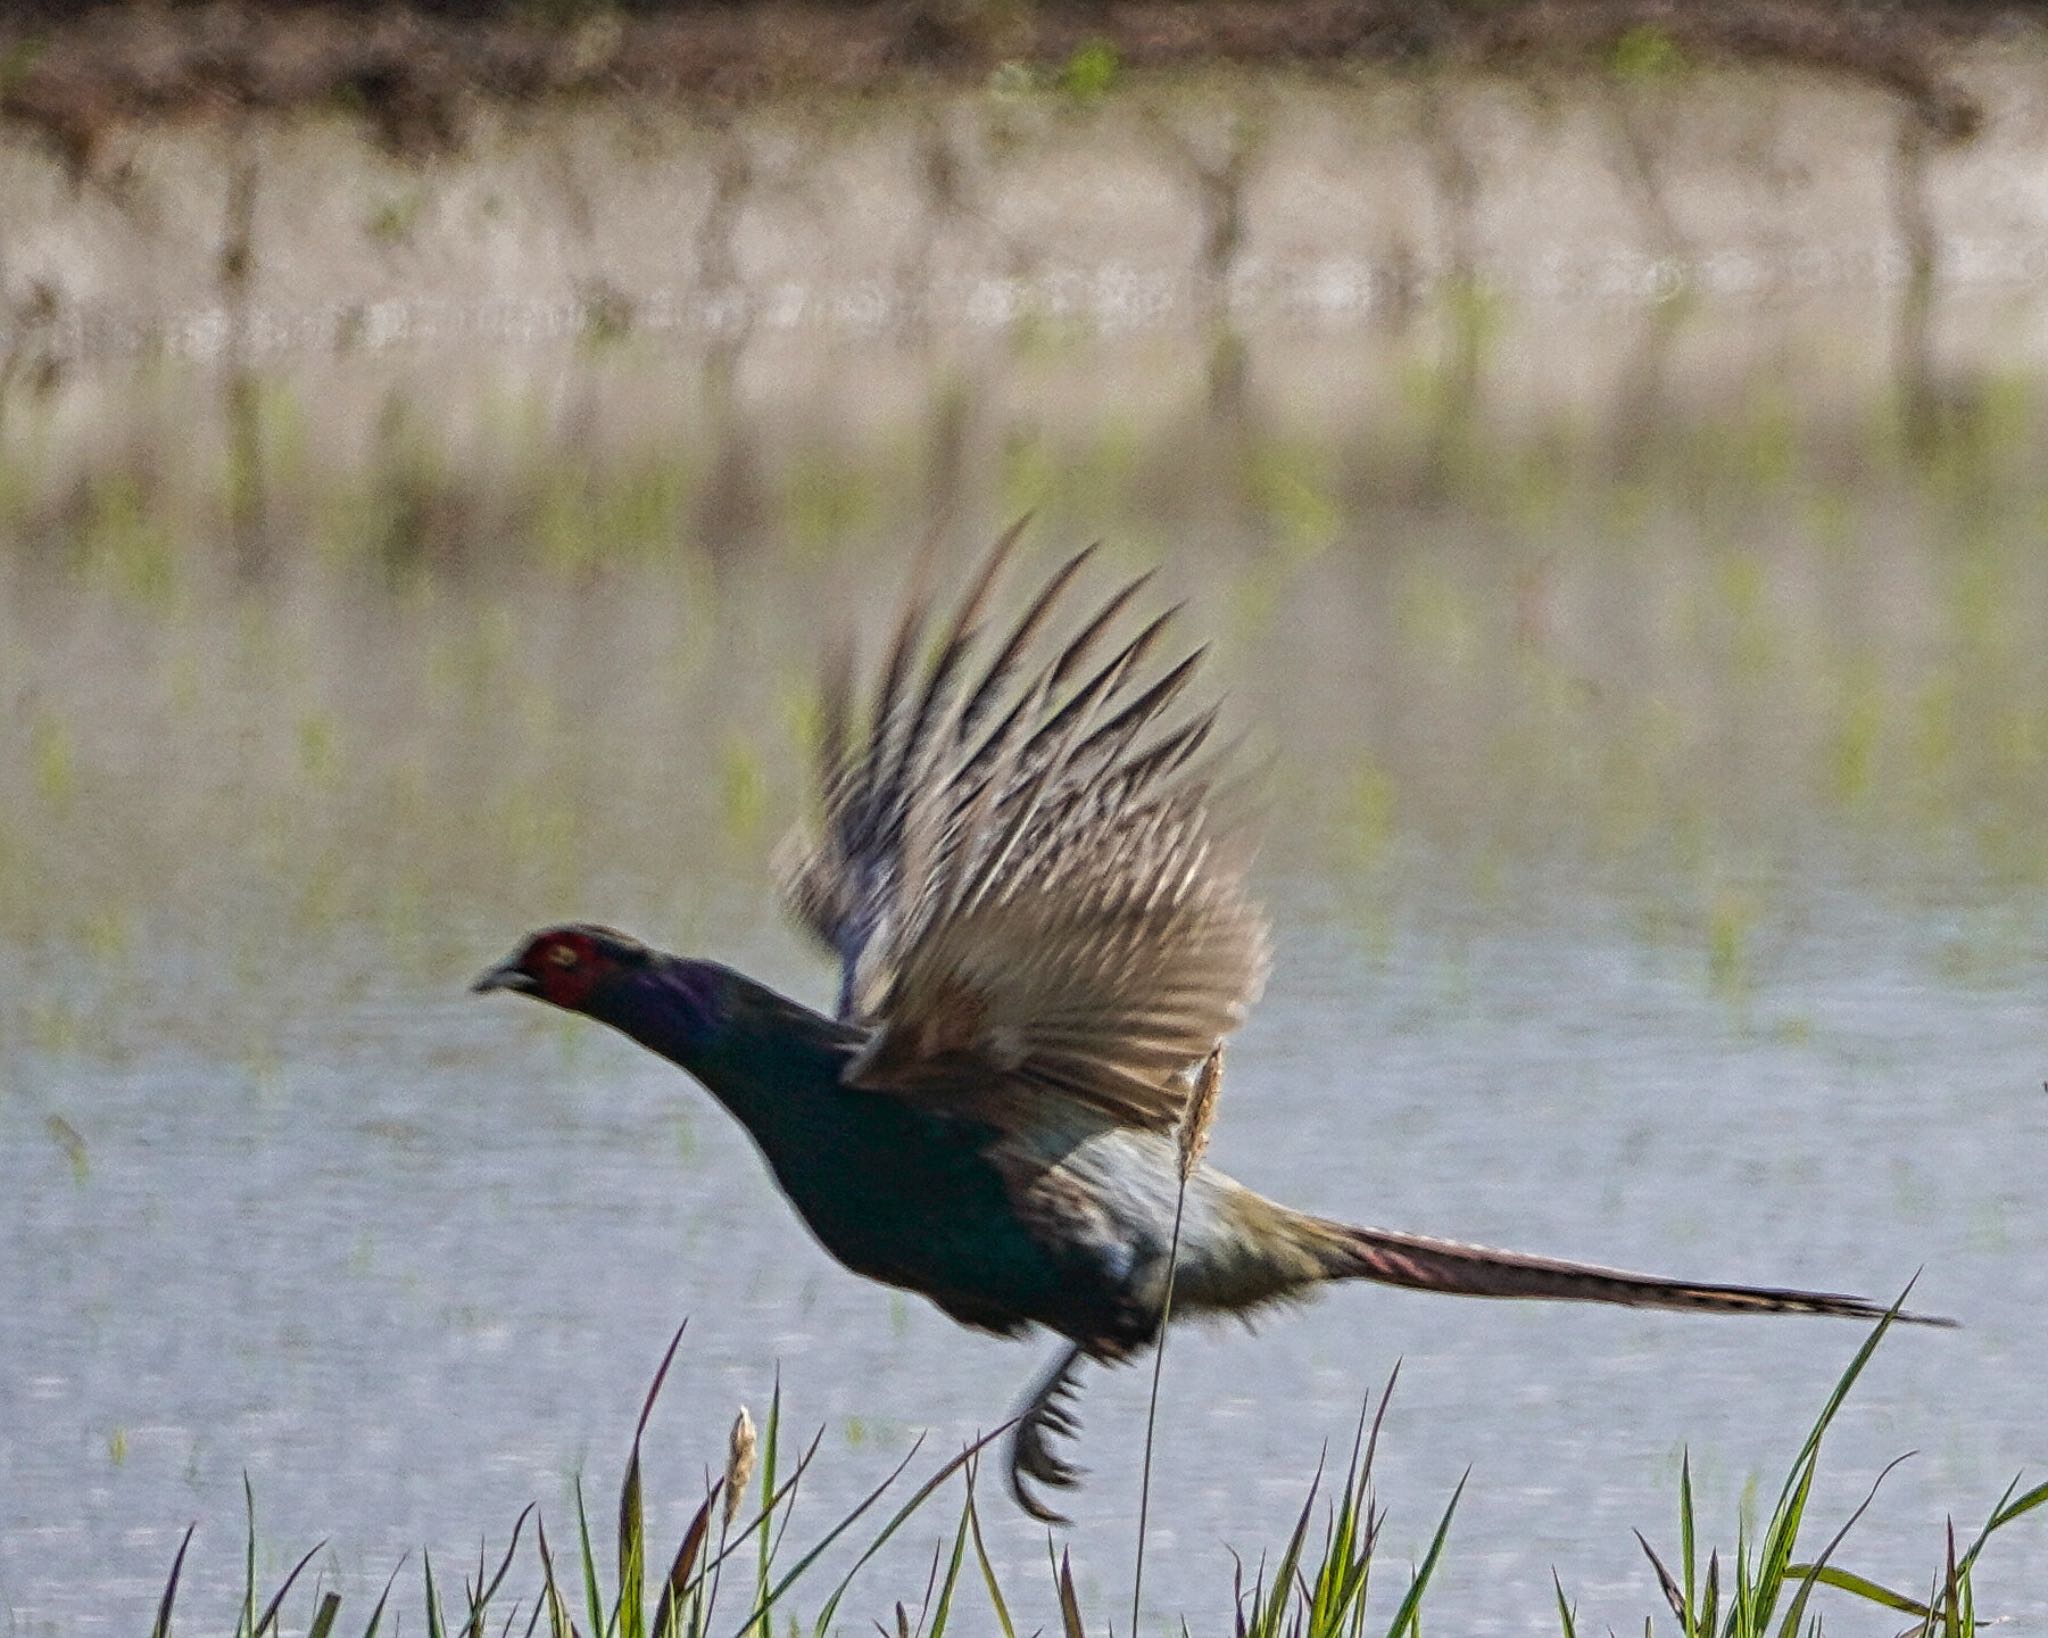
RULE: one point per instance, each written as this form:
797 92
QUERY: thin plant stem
1196 1120
1152 1404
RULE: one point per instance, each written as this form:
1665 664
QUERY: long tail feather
1425 1264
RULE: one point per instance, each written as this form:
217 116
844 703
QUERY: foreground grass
734 1571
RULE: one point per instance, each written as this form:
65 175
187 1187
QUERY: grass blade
1266 1617
1687 1541
1673 1594
474 1625
2034 1498
1811 1448
1567 1620
939 1612
988 1570
277 1601
630 1610
770 1439
559 1625
917 1499
1408 1618
593 1596
678 1582
2007 1510
435 1627
1871 1592
760 1613
162 1628
1797 1612
377 1614
1952 1615
247 1625
1071 1623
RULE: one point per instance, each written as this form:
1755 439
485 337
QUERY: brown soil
74 74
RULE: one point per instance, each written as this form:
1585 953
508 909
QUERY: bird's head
571 966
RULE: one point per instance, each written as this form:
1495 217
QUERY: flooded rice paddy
1658 706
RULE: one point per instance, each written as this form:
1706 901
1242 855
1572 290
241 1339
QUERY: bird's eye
563 955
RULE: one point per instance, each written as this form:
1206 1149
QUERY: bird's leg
1043 1417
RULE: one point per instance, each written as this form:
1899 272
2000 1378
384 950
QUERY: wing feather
1052 908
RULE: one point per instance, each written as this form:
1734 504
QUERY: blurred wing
1032 883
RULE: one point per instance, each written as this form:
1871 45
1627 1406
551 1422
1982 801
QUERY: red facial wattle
567 967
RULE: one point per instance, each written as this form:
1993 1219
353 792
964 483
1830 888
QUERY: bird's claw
1046 1417
1032 1459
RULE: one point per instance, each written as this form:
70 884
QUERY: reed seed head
1201 1113
739 1463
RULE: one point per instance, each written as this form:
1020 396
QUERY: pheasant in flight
1032 871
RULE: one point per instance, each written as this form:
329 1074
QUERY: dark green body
893 1191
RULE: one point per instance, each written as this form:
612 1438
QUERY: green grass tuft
1317 1586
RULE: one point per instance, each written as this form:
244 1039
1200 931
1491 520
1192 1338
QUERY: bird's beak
507 975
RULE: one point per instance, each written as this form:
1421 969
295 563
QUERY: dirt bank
77 74
1253 198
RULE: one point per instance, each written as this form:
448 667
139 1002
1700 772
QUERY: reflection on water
1659 723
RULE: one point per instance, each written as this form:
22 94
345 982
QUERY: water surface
1659 850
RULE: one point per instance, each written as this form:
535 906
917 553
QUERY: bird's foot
1047 1416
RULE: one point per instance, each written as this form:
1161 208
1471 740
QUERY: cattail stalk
1201 1115
739 1464
1194 1141
740 1446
